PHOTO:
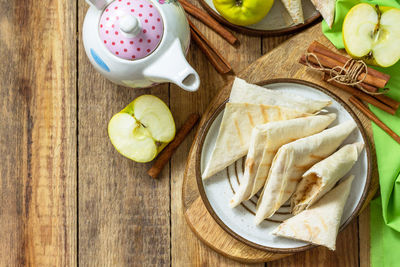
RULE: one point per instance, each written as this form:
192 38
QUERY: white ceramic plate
277 18
239 221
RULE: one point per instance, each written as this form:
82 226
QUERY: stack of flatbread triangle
290 155
325 7
250 105
265 141
292 161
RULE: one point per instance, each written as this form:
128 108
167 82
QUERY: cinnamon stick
209 21
388 101
319 48
215 58
367 98
357 103
393 104
165 155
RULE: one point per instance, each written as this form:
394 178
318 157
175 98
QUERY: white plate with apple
276 22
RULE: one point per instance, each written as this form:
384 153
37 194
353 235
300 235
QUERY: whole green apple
243 12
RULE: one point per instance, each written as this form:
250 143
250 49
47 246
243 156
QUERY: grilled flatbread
295 10
235 131
243 92
327 10
292 160
318 180
265 141
319 224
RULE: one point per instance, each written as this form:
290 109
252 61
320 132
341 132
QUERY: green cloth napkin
385 210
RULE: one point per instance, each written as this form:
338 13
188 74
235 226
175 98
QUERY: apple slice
142 129
373 34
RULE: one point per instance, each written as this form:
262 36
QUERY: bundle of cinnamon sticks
371 79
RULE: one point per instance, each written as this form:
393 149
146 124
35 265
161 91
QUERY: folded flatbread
318 180
235 131
243 92
295 10
327 10
292 160
265 140
320 223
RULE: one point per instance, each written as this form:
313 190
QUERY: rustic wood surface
67 197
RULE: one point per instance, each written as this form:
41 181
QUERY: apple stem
239 2
369 56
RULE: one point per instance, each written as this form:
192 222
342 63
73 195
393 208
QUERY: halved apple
142 129
372 33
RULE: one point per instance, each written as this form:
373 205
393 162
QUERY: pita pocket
265 141
295 10
327 10
292 160
318 180
243 92
235 131
320 223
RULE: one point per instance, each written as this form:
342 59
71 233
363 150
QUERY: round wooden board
279 63
255 32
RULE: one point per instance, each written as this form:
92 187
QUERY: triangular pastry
319 224
318 180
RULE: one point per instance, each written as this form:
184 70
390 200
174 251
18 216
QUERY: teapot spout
172 67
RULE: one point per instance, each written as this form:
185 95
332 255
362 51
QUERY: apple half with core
243 12
142 129
372 33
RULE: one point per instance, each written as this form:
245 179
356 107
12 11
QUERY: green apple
243 12
142 129
372 33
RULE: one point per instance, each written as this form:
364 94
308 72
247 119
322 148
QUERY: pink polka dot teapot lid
131 29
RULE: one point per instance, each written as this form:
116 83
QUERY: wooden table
67 196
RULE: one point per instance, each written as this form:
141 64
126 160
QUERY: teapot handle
172 67
99 4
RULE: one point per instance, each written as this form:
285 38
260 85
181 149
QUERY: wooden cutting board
282 62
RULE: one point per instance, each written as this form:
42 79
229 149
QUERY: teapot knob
130 25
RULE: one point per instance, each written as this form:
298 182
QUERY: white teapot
139 43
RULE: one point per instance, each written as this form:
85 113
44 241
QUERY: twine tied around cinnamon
347 75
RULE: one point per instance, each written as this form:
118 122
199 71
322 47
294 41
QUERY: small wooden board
282 62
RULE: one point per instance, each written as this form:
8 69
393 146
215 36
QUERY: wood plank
269 43
186 249
123 213
364 238
38 131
